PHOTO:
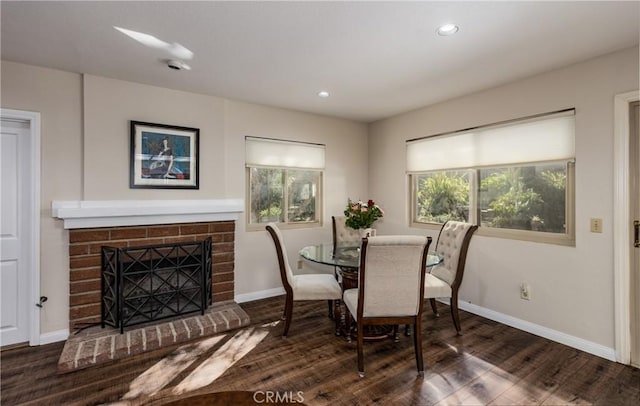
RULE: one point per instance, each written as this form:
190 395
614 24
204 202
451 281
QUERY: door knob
636 227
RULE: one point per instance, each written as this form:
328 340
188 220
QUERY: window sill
283 226
520 235
531 236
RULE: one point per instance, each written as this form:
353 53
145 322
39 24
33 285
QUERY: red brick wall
84 259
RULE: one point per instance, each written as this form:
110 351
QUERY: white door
14 236
634 142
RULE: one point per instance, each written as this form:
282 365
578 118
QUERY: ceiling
376 59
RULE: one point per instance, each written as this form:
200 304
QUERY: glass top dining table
347 259
345 255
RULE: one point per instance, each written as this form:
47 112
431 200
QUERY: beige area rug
96 345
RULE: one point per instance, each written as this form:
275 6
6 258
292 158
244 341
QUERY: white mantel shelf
114 213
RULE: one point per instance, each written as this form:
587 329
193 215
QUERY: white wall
572 287
57 96
85 156
110 105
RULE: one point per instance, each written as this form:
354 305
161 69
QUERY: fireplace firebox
154 282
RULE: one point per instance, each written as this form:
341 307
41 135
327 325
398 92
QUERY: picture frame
163 156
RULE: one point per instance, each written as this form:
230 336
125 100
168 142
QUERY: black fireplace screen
142 284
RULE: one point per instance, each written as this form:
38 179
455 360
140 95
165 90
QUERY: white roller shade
284 154
547 138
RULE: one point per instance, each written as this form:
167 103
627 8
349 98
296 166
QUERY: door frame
33 246
622 225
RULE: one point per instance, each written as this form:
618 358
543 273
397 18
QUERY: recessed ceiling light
323 94
447 29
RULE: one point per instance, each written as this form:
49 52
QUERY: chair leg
407 332
337 315
331 314
454 313
434 307
417 343
360 350
395 334
288 311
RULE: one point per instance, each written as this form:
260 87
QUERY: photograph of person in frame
168 156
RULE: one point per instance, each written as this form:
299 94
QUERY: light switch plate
596 225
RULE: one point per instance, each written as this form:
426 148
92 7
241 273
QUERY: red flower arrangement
362 215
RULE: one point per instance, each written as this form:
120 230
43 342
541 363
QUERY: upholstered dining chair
342 233
303 287
390 288
444 279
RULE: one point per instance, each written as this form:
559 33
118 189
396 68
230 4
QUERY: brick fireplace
84 260
93 224
134 223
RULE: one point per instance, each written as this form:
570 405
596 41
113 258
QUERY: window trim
566 239
284 225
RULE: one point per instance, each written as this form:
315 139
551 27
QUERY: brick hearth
96 345
84 260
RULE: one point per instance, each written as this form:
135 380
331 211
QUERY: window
442 196
514 180
285 181
524 197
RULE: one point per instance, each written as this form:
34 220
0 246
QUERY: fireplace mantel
113 213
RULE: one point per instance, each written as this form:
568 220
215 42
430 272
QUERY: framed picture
163 156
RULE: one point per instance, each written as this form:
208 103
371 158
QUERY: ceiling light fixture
177 65
447 29
323 94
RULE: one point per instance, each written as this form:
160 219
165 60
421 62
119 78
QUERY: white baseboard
553 335
54 337
262 294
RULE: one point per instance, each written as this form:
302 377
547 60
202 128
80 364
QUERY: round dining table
346 258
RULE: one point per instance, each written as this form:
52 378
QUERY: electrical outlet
299 264
525 291
596 225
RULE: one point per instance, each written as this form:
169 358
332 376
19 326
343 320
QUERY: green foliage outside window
301 188
443 196
269 187
524 198
509 202
266 195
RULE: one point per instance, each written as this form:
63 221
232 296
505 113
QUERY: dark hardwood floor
489 364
